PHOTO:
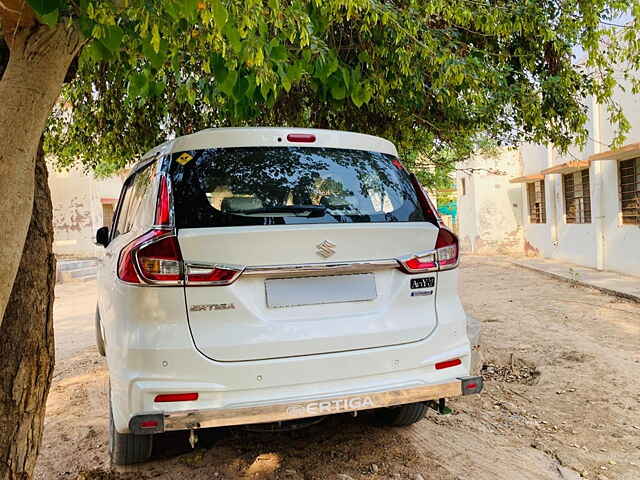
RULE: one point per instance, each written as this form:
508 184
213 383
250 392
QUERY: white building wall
622 242
605 242
489 214
77 200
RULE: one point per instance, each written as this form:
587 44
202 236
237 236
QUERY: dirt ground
561 401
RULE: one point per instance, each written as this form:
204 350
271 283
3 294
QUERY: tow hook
193 438
440 406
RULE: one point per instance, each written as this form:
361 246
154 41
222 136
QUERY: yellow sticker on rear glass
184 158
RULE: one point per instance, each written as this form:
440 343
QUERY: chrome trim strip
322 268
308 408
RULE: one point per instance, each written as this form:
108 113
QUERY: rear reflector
148 424
176 397
301 137
471 385
448 363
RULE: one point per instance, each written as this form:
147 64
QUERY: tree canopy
434 76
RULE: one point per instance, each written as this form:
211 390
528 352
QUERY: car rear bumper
292 410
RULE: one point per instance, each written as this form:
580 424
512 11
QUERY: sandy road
561 402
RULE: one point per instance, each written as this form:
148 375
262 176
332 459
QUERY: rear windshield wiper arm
314 210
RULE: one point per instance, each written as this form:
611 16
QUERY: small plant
574 277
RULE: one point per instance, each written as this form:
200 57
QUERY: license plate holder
299 291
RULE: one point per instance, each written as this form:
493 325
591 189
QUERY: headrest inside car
240 204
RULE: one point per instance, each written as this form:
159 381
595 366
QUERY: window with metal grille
535 196
630 191
577 197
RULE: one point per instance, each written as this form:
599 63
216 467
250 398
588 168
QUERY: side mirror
102 236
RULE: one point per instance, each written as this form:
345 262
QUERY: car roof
272 137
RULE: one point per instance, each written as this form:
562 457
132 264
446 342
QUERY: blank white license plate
289 292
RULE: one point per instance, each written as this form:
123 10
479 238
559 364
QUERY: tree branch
14 15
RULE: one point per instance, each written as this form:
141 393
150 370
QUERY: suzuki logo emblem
326 249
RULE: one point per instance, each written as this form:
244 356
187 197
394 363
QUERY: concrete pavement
73 317
612 283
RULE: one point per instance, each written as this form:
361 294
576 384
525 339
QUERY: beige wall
489 213
77 200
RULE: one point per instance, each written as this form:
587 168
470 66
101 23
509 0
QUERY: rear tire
127 448
99 339
400 416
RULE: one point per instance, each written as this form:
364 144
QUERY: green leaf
187 8
155 37
90 54
364 57
264 90
284 78
85 25
229 82
102 52
242 85
44 7
112 38
220 14
338 91
345 76
337 87
279 53
138 85
251 88
358 95
49 19
233 37
156 59
325 67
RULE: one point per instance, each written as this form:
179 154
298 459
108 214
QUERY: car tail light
448 363
152 258
163 207
176 397
444 257
447 249
301 137
160 260
423 263
213 274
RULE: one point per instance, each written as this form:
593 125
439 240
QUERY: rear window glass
222 187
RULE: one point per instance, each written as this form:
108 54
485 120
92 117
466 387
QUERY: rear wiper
313 210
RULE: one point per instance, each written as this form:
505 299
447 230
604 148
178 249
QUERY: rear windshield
223 187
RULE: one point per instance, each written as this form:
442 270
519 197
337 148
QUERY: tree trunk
38 61
27 349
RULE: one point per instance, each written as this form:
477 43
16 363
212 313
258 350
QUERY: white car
258 275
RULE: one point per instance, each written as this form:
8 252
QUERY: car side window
141 192
123 210
137 188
